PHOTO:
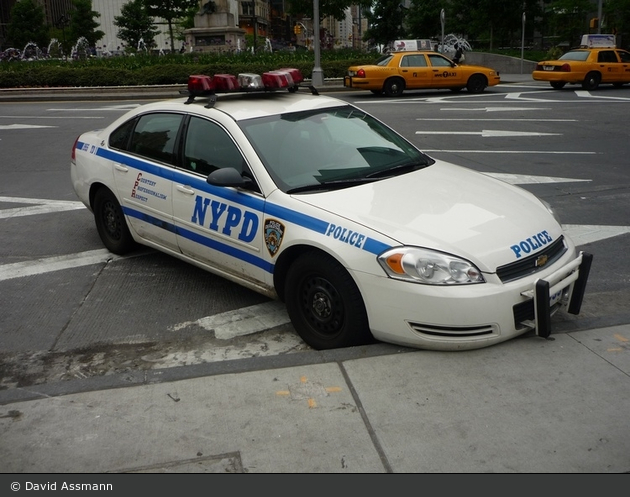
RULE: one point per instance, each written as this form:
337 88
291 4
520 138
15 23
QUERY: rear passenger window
155 136
120 138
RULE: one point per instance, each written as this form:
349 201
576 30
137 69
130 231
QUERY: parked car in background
416 70
589 65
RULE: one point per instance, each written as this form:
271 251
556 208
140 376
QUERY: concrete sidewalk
529 405
157 92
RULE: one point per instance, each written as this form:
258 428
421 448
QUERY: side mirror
228 176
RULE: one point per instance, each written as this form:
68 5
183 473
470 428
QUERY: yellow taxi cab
398 71
596 61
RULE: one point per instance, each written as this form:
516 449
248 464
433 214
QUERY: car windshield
575 55
330 149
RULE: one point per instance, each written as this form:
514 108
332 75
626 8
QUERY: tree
386 22
27 25
423 19
135 24
327 8
83 24
570 19
171 11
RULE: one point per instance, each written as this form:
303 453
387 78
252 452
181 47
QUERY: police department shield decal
274 231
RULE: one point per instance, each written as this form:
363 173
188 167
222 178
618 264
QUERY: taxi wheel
324 303
111 224
558 85
591 81
476 83
394 87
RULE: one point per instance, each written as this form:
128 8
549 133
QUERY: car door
609 66
415 70
144 174
218 226
443 73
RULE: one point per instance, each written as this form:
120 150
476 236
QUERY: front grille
530 265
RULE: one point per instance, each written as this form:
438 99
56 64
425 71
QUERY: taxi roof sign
598 41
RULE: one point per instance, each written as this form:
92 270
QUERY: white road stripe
23 126
49 264
488 133
525 152
243 321
525 179
41 206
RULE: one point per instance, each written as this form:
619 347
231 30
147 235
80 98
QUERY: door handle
121 168
185 189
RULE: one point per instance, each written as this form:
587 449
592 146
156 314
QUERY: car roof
240 106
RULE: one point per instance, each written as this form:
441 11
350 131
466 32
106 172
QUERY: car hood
448 208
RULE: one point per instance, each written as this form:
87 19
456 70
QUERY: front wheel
557 85
111 224
324 303
394 87
476 83
591 81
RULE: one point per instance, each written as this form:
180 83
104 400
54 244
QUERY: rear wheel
558 85
476 83
324 303
591 81
111 224
394 87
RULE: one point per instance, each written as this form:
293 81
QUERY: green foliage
27 25
171 11
83 24
169 69
135 24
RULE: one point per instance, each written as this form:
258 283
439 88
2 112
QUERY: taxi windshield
329 149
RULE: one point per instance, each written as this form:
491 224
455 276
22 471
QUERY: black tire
557 85
111 224
591 81
324 303
476 83
394 87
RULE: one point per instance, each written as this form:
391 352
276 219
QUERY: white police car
311 200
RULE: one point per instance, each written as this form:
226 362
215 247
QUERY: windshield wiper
398 170
331 185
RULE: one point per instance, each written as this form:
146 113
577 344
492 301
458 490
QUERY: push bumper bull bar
575 274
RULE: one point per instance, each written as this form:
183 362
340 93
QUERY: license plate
553 299
548 68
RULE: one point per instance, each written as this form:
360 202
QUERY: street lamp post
522 42
442 20
318 75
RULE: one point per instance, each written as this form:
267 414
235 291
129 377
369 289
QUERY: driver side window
208 148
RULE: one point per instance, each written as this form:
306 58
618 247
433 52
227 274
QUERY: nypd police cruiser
310 200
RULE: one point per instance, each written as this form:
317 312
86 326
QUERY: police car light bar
201 85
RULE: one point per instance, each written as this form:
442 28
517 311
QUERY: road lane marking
24 126
243 321
57 263
40 206
526 179
488 133
429 150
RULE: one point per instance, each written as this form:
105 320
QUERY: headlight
430 267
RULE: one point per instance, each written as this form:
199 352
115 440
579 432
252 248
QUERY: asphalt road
69 309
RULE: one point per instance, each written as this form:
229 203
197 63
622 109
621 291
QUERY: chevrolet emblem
541 260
